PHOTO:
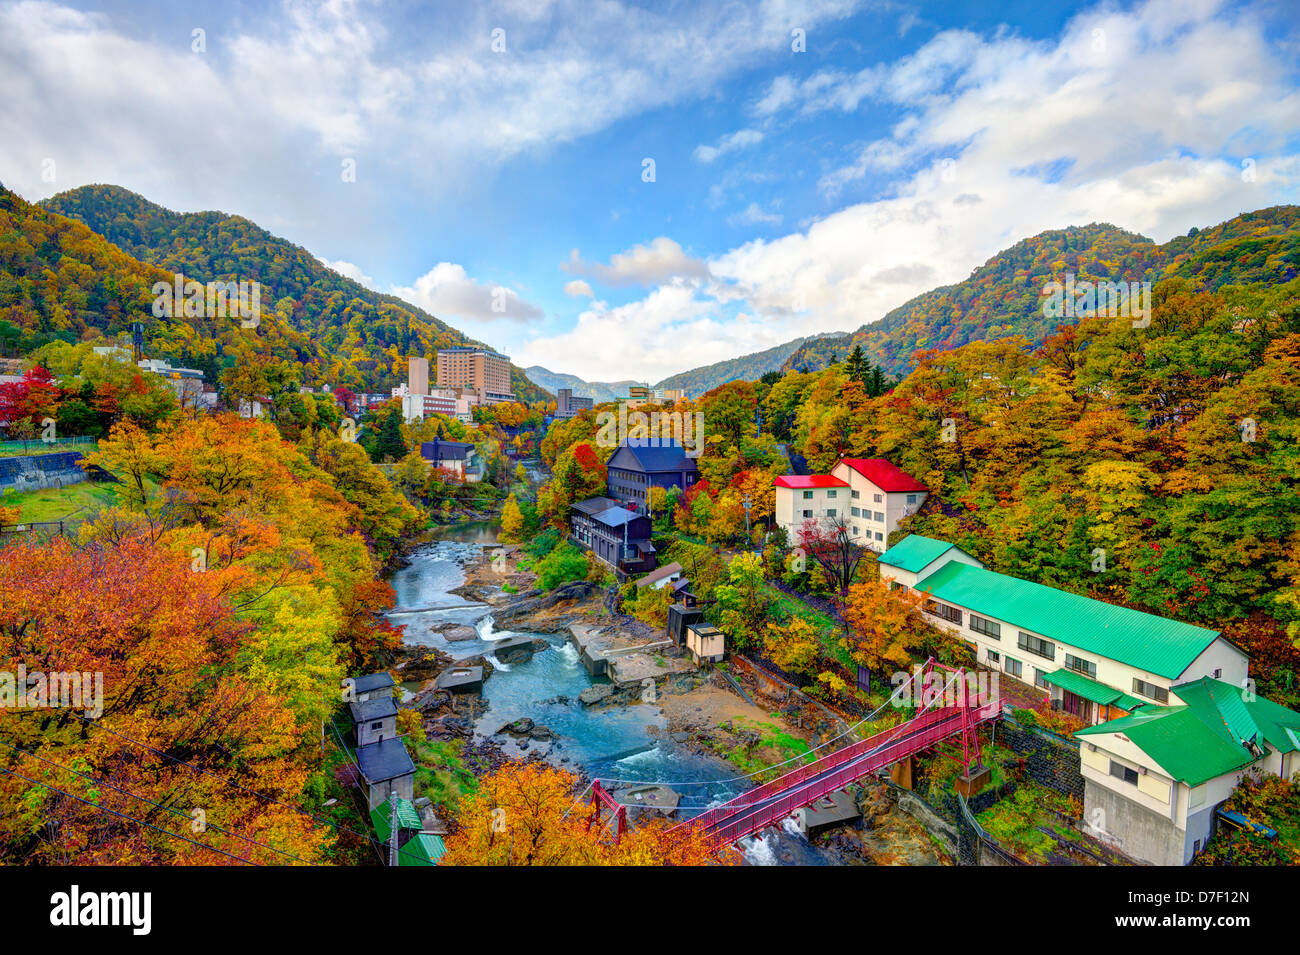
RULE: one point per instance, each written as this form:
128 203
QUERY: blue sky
796 191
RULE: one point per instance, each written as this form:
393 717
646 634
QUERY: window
855 511
830 512
951 614
855 530
877 498
880 516
1086 667
1012 666
995 657
879 536
807 495
987 627
807 513
1150 691
1040 679
1120 771
911 499
1037 645
832 493
377 725
1218 673
854 494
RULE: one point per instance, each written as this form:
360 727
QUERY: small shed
374 721
706 643
372 686
415 845
661 577
384 767
680 617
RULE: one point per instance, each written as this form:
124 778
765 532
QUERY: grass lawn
54 504
773 747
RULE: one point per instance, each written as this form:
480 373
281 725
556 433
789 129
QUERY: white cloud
447 291
278 99
655 262
669 330
351 271
578 288
753 214
1002 138
741 139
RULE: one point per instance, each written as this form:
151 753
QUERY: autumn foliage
532 814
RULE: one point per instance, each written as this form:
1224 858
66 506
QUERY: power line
171 809
122 815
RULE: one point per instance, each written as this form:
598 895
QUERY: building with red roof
870 495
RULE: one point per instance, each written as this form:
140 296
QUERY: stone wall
1049 761
35 472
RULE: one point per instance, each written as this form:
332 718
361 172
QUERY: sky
619 190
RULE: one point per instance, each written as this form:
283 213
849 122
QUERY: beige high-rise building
417 378
484 373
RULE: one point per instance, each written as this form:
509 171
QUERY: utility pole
392 823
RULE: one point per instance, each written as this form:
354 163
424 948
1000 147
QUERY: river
628 743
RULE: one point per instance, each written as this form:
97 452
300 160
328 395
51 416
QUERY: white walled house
869 494
1174 725
1154 780
1094 660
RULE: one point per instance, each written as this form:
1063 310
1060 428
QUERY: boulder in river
458 632
596 693
520 727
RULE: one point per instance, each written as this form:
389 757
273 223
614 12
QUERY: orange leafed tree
165 641
530 814
885 626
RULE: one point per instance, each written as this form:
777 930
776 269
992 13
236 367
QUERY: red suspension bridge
961 715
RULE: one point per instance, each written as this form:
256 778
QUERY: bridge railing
757 808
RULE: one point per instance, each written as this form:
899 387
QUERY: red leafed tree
590 462
37 396
830 542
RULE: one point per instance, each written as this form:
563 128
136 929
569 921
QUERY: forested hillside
1003 297
599 391
58 279
745 368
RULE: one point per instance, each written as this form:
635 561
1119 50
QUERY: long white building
1174 722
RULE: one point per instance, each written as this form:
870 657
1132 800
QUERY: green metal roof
914 553
407 817
1142 640
1207 736
1243 717
424 849
1090 689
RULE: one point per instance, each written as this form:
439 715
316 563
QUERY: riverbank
696 731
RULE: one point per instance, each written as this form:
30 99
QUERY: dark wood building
616 535
641 464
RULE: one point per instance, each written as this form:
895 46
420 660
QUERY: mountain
1004 297
747 367
338 330
599 391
